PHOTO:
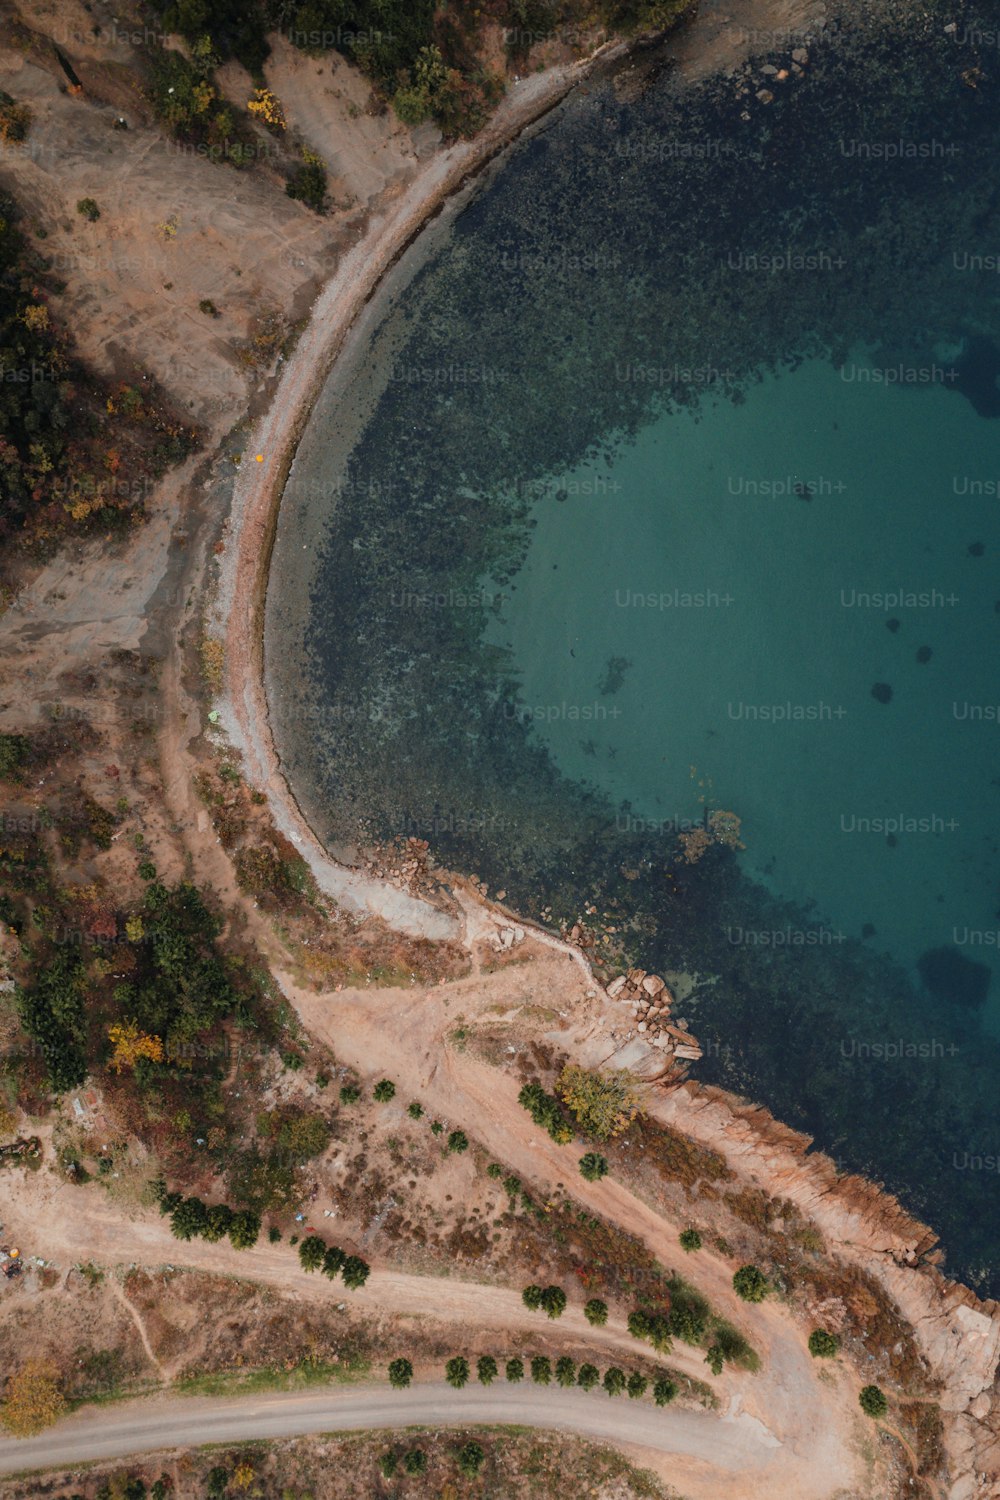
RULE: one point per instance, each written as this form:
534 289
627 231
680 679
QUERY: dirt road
735 1444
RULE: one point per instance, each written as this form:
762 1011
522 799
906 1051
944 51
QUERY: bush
872 1401
823 1345
566 1371
715 1359
414 1110
541 1369
470 1458
388 1463
750 1283
486 1369
415 1462
456 1372
690 1240
596 1312
274 1234
587 1377
384 1091
208 307
400 1374
458 1141
593 1167
88 210
664 1391
33 1400
514 1370
307 184
350 1093
545 1110
614 1381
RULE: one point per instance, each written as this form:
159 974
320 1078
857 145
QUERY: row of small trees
316 1255
190 1219
565 1372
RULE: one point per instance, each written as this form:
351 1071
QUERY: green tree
514 1370
532 1297
355 1272
541 1369
189 1219
244 1230
603 1103
311 1252
637 1384
554 1301
220 1218
715 1359
614 1381
664 1391
596 1312
458 1141
690 1240
415 1111
823 1345
384 1091
400 1374
872 1401
456 1371
470 1458
587 1377
349 1093
486 1369
593 1167
566 1370
750 1283
333 1261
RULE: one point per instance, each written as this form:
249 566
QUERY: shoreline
958 1332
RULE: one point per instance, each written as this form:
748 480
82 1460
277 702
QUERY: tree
33 1400
823 1345
189 1218
566 1371
715 1359
664 1391
541 1369
217 1480
219 1221
415 1111
872 1401
458 1141
554 1301
244 1230
604 1103
690 1240
545 1111
355 1272
587 1377
87 208
350 1093
596 1312
333 1261
311 1252
532 1297
486 1369
384 1091
614 1381
415 1462
750 1283
637 1384
456 1372
470 1458
593 1167
400 1374
514 1370
130 1043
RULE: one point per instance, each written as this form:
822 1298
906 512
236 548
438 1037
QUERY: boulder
652 985
616 986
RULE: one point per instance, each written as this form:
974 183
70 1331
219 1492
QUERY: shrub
614 1381
690 1240
587 1377
470 1458
872 1401
88 210
486 1369
545 1110
208 307
415 1462
14 121
415 1110
514 1370
388 1463
311 1252
593 1167
274 1234
603 1103
750 1283
541 1369
384 1091
823 1345
596 1312
33 1400
437 1128
715 1359
307 184
566 1371
456 1371
350 1093
637 1384
400 1374
664 1391
458 1141
147 870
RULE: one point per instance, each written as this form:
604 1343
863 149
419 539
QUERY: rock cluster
506 937
650 1002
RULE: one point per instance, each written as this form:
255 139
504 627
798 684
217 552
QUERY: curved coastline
958 1333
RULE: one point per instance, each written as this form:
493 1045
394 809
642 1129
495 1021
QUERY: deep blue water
665 482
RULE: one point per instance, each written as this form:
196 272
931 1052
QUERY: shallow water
663 480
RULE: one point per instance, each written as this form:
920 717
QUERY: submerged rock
882 692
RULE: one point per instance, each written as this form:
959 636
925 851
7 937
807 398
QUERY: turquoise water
752 559
606 526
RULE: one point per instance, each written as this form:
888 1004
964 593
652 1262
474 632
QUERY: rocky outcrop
646 1006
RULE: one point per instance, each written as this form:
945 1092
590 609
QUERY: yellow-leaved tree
33 1400
130 1043
603 1103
